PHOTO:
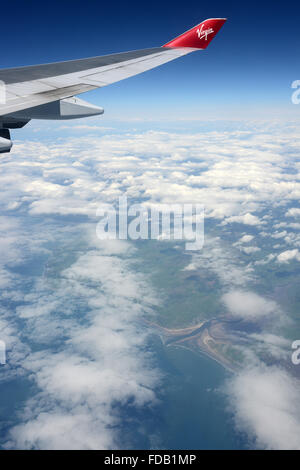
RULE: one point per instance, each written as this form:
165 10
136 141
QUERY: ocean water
193 410
14 394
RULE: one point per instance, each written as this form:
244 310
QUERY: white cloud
247 219
234 174
266 260
279 234
61 430
249 249
246 239
288 255
293 212
190 267
217 257
274 345
248 305
265 404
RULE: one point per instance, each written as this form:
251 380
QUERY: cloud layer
73 305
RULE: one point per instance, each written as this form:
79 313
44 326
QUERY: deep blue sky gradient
249 65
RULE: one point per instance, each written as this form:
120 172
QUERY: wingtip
200 35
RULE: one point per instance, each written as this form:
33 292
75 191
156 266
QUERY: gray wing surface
26 87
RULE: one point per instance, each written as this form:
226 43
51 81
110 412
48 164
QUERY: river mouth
221 339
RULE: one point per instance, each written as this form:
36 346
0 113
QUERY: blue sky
246 71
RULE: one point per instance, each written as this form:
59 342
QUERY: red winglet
200 36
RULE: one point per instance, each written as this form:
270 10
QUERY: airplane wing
26 90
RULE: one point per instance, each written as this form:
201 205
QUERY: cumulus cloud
61 430
293 212
247 219
246 239
248 305
288 255
249 249
279 234
265 405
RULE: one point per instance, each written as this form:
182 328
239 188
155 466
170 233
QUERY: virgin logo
203 33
